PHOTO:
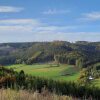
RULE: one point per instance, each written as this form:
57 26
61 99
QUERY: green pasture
63 72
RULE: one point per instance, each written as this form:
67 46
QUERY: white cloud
92 16
31 25
6 9
13 29
55 11
18 30
27 22
25 30
18 25
55 28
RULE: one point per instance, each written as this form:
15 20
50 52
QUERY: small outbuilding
91 78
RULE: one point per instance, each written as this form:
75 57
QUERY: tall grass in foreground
8 94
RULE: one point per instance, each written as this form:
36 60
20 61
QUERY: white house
90 78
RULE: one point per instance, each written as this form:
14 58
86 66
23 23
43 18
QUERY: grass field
71 73
96 82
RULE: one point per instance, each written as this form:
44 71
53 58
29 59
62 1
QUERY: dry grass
8 94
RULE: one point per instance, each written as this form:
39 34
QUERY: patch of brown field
8 94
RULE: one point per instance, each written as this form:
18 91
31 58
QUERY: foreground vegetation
9 94
19 80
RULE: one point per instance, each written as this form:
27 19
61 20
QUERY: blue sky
48 20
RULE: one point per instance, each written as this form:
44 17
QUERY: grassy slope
44 70
96 82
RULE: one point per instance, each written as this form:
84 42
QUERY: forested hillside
81 53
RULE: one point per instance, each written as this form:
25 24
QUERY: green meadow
63 72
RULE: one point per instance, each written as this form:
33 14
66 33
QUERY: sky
49 20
